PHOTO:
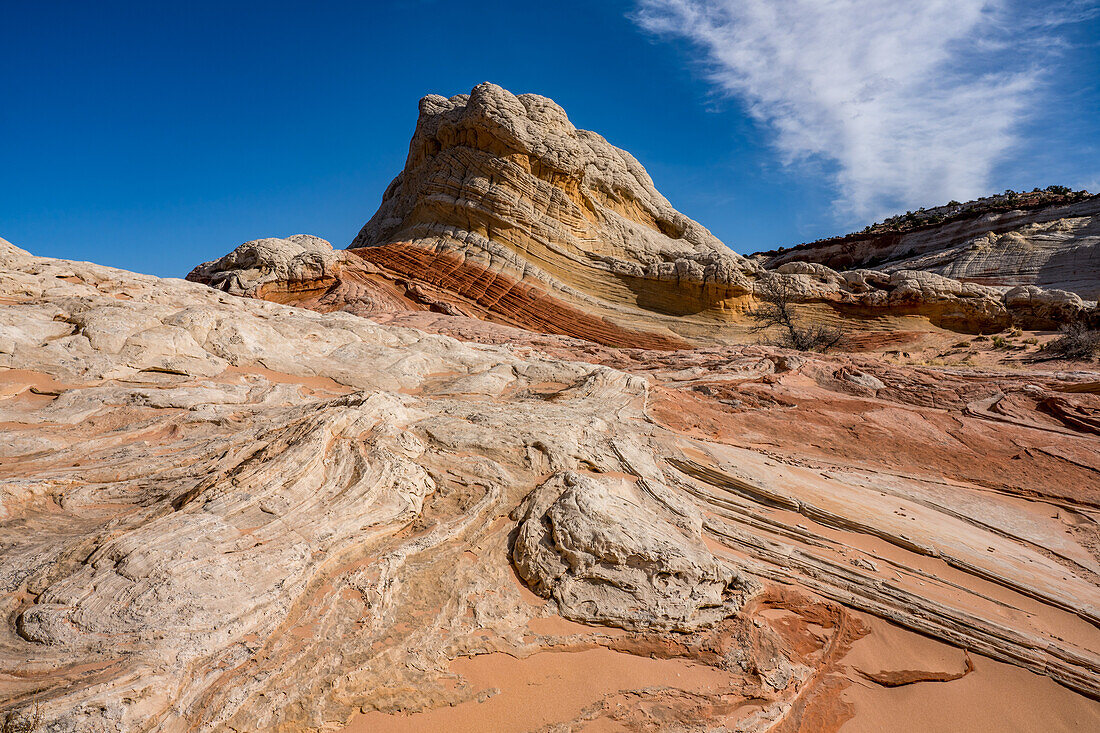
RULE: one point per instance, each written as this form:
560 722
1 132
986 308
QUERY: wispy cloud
914 103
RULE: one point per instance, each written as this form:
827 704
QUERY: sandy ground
925 687
993 697
549 687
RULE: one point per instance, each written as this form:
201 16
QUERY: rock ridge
506 212
1054 245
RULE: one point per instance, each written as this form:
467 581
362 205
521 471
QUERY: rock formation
610 552
506 212
540 486
223 513
1050 244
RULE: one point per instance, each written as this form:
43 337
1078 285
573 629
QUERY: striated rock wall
947 303
399 278
306 271
1054 246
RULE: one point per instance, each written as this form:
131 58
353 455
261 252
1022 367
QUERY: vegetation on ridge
955 211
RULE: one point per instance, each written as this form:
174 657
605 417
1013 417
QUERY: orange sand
545 688
993 697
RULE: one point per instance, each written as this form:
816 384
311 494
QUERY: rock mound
262 267
509 180
506 212
613 553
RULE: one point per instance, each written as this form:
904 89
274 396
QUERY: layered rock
948 303
222 513
1050 244
305 271
508 183
506 212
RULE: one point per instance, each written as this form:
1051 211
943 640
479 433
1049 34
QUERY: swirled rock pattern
507 212
221 513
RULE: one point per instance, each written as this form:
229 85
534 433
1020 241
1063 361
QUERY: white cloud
914 102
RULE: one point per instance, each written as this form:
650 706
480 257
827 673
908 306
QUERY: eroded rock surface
222 513
613 552
506 212
1054 246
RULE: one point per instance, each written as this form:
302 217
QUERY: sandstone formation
509 463
229 514
506 212
1051 244
612 552
305 271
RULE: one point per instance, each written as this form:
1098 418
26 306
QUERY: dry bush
775 311
1077 341
16 723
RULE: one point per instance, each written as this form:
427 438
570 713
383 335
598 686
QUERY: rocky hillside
1047 239
510 463
506 212
222 513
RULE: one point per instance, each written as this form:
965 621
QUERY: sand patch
892 656
312 383
17 381
543 689
992 697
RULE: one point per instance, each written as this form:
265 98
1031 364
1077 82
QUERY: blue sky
153 136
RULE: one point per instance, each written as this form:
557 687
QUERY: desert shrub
1000 342
1077 341
16 723
776 311
1031 341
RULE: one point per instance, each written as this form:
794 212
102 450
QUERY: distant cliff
1046 238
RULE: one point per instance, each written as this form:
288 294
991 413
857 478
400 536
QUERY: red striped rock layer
222 513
